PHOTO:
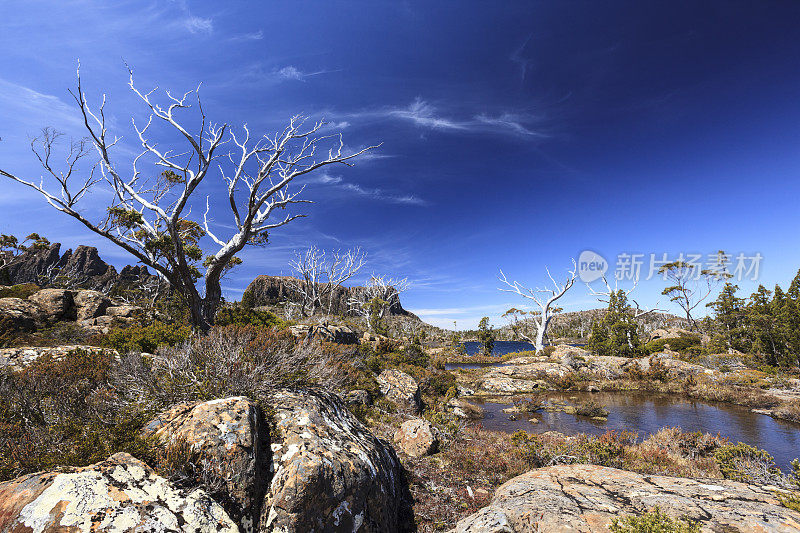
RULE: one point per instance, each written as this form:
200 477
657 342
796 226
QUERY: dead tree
319 275
151 217
377 298
545 298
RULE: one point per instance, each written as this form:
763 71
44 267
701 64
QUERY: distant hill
578 324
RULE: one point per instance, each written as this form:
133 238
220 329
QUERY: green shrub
437 384
677 344
654 521
591 408
792 499
22 290
239 315
146 338
745 463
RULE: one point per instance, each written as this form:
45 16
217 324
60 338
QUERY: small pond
647 413
500 347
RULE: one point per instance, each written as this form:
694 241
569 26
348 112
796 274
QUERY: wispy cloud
367 192
425 115
293 73
19 101
191 22
252 36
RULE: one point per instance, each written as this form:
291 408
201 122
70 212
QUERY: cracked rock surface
115 495
585 498
329 472
233 441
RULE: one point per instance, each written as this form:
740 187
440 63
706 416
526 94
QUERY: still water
647 413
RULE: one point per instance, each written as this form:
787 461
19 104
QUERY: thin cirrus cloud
291 72
423 114
367 192
252 36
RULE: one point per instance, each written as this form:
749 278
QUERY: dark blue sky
515 134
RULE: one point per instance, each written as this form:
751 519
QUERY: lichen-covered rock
121 494
504 385
416 438
57 304
19 314
124 311
401 389
586 498
233 441
19 358
464 409
90 304
330 473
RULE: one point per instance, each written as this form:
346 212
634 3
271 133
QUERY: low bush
791 499
591 408
653 521
677 344
748 464
239 315
23 290
145 338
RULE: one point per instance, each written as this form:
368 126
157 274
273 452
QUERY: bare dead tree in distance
319 274
545 298
151 218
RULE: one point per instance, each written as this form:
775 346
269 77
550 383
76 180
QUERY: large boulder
416 438
123 311
330 473
401 389
19 315
121 494
233 442
586 498
90 304
57 304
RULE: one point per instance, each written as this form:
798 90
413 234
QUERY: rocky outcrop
505 385
401 389
121 494
586 498
19 315
233 442
464 409
330 473
82 267
90 304
416 438
274 290
19 358
56 304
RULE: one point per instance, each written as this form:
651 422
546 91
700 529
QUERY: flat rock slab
585 498
121 494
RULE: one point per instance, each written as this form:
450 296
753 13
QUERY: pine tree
616 334
729 333
486 336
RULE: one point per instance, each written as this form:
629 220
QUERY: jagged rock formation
275 290
116 495
81 267
586 498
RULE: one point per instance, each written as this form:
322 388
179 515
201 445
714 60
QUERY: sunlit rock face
329 472
587 498
120 494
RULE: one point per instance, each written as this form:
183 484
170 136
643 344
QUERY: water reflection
647 413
